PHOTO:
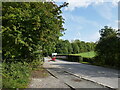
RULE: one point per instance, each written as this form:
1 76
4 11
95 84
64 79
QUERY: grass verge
18 75
15 75
90 54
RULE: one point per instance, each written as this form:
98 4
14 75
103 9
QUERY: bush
72 58
15 75
35 63
90 60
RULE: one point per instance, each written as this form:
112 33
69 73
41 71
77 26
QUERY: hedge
73 58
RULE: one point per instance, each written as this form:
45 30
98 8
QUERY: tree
62 47
70 49
75 48
107 47
83 47
30 29
106 32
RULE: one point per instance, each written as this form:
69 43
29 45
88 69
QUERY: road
100 75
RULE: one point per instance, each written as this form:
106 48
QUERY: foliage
15 75
107 49
77 46
76 58
61 47
106 32
30 29
35 63
73 58
64 47
70 49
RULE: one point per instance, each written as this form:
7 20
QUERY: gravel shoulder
42 79
47 82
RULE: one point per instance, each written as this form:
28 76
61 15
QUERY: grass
90 54
17 74
85 62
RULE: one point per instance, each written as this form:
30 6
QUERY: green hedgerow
15 75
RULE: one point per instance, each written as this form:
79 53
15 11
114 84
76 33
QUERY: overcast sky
84 18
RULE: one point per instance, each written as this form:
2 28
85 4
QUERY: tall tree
29 28
70 49
106 32
108 47
75 48
62 46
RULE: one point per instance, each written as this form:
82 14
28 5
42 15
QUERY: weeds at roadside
17 74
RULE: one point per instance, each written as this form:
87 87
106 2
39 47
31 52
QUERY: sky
84 18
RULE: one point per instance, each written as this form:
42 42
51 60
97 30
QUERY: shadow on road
88 70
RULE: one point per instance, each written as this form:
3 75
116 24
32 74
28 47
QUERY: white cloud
116 25
77 36
94 37
103 8
79 20
117 21
75 3
85 3
106 11
81 23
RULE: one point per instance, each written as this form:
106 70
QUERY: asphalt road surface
99 75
